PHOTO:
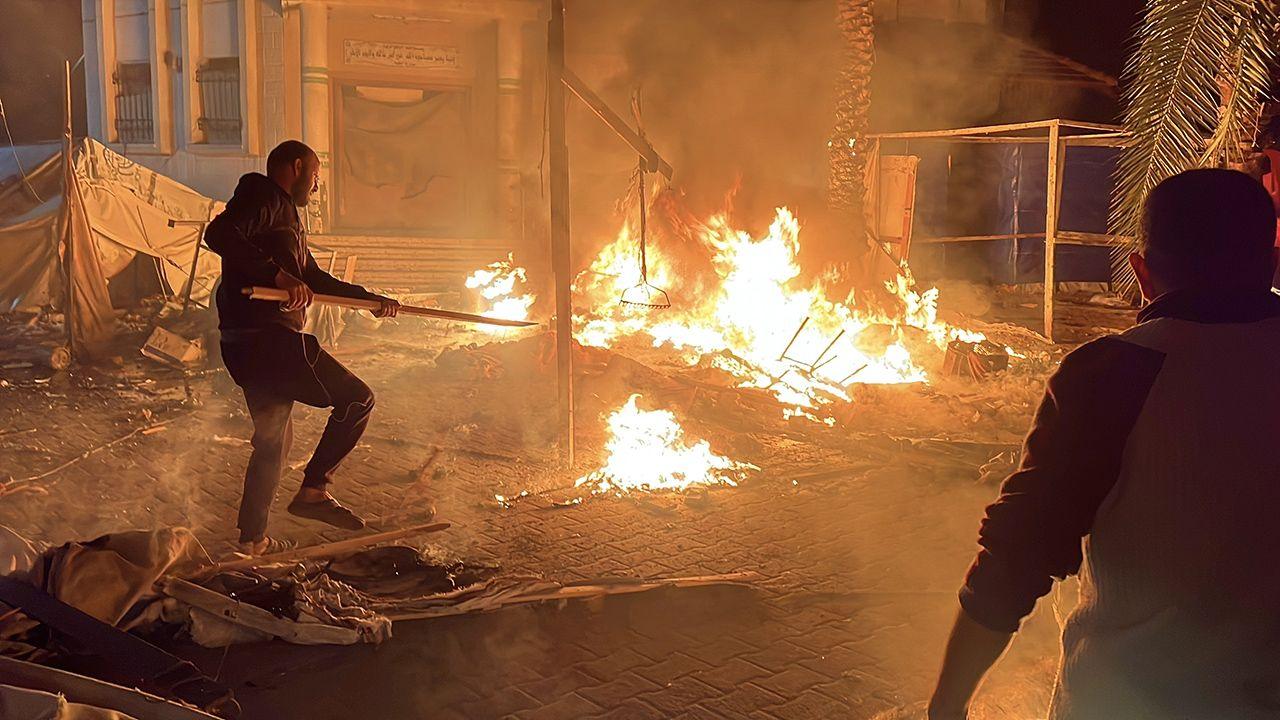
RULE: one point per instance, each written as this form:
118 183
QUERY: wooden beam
331 549
997 129
1064 237
974 238
978 130
1053 199
253 617
558 152
653 161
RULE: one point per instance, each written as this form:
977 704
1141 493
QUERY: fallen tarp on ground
106 577
131 580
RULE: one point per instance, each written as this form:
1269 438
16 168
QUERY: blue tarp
999 189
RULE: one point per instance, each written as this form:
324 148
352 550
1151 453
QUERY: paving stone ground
859 550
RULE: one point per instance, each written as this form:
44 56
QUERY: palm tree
853 104
1194 91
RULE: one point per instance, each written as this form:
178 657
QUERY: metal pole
1053 198
558 152
195 259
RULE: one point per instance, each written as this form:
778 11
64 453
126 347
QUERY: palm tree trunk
853 104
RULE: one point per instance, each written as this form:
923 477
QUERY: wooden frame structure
1058 135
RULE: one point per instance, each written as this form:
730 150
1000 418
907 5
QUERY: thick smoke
732 90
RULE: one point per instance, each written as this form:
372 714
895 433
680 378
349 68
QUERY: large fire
757 320
501 289
647 450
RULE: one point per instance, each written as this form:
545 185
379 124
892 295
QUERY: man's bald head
295 167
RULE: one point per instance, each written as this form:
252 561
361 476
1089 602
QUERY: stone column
510 57
316 126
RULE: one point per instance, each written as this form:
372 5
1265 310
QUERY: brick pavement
859 568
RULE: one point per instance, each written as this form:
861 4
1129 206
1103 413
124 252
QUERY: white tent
128 209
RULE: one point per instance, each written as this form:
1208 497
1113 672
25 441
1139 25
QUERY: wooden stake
1053 199
558 152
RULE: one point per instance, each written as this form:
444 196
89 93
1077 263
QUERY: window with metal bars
219 82
134 123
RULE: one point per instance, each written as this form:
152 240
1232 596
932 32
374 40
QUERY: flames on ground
647 450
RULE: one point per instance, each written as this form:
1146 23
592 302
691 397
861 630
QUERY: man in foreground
1158 446
262 242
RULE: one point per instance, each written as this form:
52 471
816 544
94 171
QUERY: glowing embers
501 287
647 450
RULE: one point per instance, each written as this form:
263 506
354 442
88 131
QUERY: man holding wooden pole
262 242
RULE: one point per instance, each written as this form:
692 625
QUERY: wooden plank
1053 199
975 238
588 589
251 616
653 161
977 130
1082 125
1064 237
340 547
561 261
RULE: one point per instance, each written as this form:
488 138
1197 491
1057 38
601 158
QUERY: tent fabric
89 315
130 207
120 209
30 200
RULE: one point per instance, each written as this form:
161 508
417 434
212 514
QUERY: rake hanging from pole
644 294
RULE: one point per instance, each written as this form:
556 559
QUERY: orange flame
647 450
759 322
500 288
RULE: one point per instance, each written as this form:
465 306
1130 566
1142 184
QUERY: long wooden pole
331 549
265 293
558 151
68 178
1053 198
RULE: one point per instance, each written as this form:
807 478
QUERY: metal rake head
646 295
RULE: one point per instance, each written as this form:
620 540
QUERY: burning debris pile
746 311
748 345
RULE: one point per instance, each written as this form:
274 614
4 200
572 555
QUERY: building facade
427 116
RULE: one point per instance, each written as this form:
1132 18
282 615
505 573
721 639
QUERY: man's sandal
328 511
272 547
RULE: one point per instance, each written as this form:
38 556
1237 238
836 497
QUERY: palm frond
1175 111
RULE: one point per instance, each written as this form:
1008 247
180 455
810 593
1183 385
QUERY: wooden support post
558 152
1053 199
68 178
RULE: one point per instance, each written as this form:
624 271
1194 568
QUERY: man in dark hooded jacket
262 242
